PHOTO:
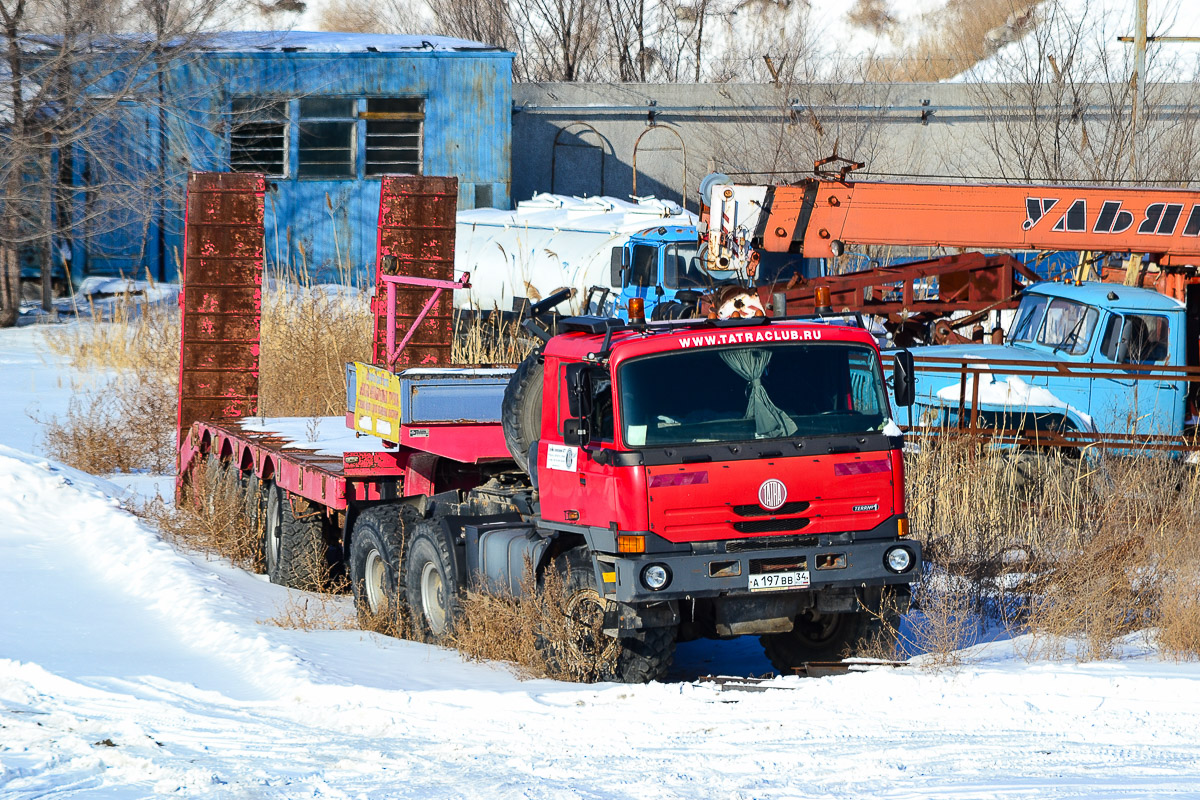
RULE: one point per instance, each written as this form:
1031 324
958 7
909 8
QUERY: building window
258 136
394 135
326 147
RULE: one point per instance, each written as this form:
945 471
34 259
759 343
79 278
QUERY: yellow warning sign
376 401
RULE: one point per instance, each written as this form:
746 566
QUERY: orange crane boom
822 218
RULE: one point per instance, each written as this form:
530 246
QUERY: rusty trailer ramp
810 669
417 215
221 300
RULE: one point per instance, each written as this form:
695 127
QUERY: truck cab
727 479
669 268
1110 332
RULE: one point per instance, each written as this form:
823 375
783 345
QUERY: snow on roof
600 214
318 42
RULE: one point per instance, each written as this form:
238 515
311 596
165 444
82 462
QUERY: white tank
548 243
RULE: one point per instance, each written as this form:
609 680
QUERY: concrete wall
564 133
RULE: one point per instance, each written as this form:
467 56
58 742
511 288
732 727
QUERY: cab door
1126 403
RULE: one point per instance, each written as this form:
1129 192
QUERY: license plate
774 581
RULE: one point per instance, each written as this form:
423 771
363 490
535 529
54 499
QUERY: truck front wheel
816 637
582 651
431 584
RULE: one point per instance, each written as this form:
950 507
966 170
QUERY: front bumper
699 575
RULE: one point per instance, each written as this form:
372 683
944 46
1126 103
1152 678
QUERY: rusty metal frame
975 366
983 283
438 286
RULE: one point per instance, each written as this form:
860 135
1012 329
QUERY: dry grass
315 611
957 37
536 631
490 339
1075 554
307 337
211 517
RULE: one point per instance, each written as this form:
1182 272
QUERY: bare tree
80 89
1057 104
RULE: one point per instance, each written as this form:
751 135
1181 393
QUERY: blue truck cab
668 268
1116 328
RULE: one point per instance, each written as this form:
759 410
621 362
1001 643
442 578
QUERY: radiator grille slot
751 510
768 525
743 545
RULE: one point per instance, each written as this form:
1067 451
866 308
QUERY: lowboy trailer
691 478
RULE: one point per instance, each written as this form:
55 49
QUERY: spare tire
521 411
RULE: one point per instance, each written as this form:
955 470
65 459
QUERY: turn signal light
902 527
629 543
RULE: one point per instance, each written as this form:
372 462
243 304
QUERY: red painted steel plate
416 228
221 302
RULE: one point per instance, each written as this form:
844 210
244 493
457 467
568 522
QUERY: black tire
377 544
296 551
431 584
818 637
521 410
589 655
216 484
254 512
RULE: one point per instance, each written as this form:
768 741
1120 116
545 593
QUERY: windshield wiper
1071 336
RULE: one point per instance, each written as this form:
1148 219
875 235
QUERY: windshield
729 394
1029 318
1068 326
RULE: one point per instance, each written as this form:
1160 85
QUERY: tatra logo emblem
772 494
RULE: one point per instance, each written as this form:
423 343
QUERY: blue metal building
324 115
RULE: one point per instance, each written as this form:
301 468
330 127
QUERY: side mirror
904 385
579 390
617 266
576 433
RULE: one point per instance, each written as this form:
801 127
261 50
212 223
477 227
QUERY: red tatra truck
687 479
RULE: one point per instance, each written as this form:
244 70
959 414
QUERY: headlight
898 559
656 577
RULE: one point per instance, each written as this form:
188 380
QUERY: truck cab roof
585 341
1108 295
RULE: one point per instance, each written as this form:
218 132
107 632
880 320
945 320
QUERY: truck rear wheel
584 652
294 546
817 637
377 544
521 410
431 584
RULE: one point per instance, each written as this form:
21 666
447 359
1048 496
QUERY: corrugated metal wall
324 227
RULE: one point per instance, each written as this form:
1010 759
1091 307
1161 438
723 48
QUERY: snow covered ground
131 670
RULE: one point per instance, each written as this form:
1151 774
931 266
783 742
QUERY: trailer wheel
431 584
817 637
521 410
583 652
254 517
377 544
294 545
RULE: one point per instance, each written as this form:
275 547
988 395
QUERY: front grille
751 510
768 542
769 525
760 566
